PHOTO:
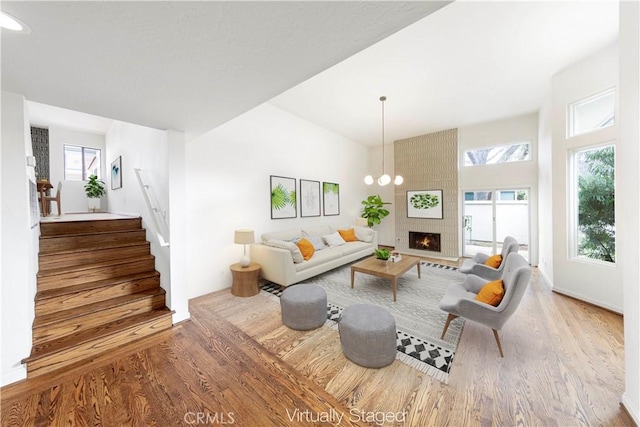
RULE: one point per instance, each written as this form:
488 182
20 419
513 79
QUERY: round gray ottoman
368 335
304 307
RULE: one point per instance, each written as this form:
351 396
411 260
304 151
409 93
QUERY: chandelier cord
383 98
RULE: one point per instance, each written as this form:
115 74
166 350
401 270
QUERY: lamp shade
243 237
362 222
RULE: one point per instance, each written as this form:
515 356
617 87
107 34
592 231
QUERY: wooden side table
245 280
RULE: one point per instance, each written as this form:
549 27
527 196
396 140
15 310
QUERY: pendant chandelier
384 179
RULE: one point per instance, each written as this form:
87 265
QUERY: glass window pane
595 171
72 162
499 154
91 163
595 112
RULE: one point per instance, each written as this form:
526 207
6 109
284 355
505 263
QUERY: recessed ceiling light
14 24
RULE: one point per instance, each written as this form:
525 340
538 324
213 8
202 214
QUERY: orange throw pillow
348 235
306 248
491 293
494 261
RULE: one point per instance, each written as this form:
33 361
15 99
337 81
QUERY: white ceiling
184 65
469 62
194 65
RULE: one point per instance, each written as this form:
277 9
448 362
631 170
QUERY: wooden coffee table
386 270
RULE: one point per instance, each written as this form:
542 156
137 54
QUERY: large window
516 152
591 113
594 203
81 162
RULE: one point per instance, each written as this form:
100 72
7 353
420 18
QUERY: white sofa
276 253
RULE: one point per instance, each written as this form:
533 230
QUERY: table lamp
362 222
244 237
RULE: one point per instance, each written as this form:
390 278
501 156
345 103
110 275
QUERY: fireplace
424 241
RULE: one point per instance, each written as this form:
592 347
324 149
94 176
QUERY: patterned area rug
418 319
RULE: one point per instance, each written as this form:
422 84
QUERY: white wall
545 190
628 161
147 149
18 257
228 184
597 283
506 175
386 229
73 197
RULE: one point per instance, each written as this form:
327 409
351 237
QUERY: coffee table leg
352 274
395 288
419 276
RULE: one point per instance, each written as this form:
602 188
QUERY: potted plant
382 254
374 210
94 189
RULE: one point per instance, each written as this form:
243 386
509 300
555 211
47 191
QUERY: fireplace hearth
424 241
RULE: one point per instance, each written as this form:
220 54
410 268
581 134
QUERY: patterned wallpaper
40 144
428 162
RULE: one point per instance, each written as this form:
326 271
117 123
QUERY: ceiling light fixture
14 24
384 179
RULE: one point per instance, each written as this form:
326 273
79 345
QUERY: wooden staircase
97 290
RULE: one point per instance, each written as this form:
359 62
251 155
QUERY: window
517 152
81 162
594 203
594 112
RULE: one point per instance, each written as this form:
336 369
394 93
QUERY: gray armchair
459 299
476 265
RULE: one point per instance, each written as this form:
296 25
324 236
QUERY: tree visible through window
595 170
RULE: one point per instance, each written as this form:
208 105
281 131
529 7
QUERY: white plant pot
94 204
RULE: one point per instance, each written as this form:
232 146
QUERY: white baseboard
627 405
580 297
15 374
180 316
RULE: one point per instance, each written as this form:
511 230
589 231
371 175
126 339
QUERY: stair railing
157 215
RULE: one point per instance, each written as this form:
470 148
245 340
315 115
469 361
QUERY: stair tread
58 236
52 293
91 249
72 313
110 262
94 334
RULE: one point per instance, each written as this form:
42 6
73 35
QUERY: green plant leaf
279 197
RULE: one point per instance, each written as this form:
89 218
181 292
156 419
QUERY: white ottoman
368 335
304 307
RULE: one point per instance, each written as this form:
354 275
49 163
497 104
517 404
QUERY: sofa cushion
306 248
494 261
334 239
491 293
352 247
348 235
319 258
317 242
364 234
319 231
292 247
287 235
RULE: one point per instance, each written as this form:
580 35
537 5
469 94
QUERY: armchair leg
446 325
495 334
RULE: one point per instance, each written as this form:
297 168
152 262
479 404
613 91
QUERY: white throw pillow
364 234
319 230
334 239
292 247
316 241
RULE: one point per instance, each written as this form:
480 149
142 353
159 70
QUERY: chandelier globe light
384 179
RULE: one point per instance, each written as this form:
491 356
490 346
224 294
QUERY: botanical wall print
331 198
283 197
309 198
116 173
424 204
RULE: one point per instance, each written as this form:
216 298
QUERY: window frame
82 157
572 110
528 142
573 200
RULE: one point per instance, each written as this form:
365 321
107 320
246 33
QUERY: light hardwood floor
235 361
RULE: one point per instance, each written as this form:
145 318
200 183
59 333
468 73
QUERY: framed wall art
309 198
424 204
283 197
331 198
116 173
